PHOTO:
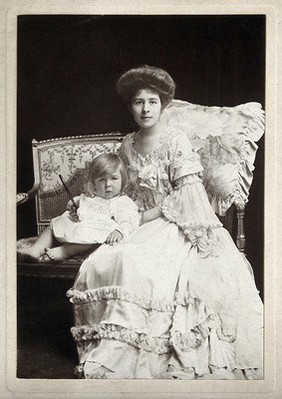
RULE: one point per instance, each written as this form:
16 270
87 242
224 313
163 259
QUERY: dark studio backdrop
68 66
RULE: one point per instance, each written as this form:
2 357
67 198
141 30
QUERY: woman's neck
152 131
147 140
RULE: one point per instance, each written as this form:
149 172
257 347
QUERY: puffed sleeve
182 160
126 215
188 205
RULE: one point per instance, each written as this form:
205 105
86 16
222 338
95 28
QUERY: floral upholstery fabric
66 159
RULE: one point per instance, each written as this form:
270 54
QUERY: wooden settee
224 137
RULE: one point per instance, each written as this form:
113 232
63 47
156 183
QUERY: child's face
108 186
146 108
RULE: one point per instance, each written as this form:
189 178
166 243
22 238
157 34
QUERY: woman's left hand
150 214
114 237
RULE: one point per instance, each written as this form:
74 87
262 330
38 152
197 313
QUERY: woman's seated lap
175 299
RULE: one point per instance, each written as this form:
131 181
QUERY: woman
176 299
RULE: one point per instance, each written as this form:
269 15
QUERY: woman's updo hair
146 77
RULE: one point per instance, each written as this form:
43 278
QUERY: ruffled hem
173 373
159 345
190 344
96 371
205 322
122 294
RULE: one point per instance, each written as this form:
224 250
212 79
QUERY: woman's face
146 108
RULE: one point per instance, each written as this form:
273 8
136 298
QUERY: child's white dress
98 217
176 295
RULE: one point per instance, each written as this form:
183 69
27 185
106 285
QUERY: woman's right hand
72 211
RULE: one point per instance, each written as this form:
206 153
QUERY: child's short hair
106 164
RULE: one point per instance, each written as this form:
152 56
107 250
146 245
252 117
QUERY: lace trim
184 341
142 341
200 235
160 344
119 293
193 226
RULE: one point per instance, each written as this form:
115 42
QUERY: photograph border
124 388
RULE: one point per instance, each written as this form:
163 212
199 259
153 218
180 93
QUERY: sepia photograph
140 167
140 196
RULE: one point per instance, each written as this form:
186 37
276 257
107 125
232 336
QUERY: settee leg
241 239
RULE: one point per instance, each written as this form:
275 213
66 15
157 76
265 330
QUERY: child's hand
114 237
72 212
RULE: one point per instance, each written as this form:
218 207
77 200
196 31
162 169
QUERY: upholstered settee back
224 137
68 157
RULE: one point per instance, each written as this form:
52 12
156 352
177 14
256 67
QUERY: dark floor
45 345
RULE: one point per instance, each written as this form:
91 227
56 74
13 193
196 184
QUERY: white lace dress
176 298
98 217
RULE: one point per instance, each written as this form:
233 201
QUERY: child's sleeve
127 216
76 199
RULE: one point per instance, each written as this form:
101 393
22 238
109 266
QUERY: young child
104 215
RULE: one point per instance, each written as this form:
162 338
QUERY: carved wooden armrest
241 239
